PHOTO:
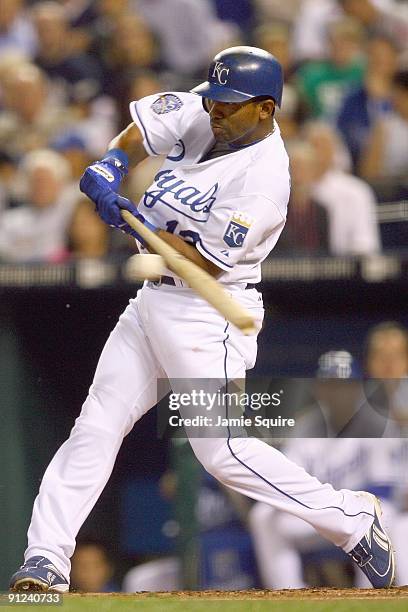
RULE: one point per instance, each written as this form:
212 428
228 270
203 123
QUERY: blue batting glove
93 185
126 204
109 171
109 205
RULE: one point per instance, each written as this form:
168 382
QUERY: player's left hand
109 208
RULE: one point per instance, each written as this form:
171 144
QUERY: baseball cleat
374 554
38 574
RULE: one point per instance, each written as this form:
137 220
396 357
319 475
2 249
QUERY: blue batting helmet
241 73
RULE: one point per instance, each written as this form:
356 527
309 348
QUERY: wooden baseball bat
199 280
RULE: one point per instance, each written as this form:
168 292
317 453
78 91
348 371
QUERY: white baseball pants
171 332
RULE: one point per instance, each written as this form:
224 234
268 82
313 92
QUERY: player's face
239 123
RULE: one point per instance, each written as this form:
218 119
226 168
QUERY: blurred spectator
330 211
387 351
372 100
30 120
73 148
324 84
312 19
189 32
133 45
156 575
88 235
82 15
9 62
241 13
130 48
386 153
337 406
95 123
100 30
78 73
92 568
79 12
289 116
386 358
145 83
7 180
113 9
276 38
321 133
36 231
306 231
349 201
276 10
386 16
16 30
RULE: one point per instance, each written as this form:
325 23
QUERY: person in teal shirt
324 84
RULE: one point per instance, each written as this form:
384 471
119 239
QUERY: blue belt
169 280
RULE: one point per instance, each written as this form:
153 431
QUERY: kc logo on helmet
219 70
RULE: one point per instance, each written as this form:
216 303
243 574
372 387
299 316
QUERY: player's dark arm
130 140
189 252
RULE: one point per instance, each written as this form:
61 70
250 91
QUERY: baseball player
220 199
279 538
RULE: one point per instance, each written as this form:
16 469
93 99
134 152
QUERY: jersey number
188 235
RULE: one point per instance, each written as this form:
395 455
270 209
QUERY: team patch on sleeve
166 104
237 229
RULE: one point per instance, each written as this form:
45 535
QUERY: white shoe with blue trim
374 553
38 574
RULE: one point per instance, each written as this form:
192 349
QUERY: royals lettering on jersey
175 193
233 207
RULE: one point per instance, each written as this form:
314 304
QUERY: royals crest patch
237 229
166 104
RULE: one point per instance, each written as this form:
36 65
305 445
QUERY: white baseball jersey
233 208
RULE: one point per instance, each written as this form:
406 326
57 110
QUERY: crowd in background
69 68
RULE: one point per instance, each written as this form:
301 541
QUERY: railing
93 274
